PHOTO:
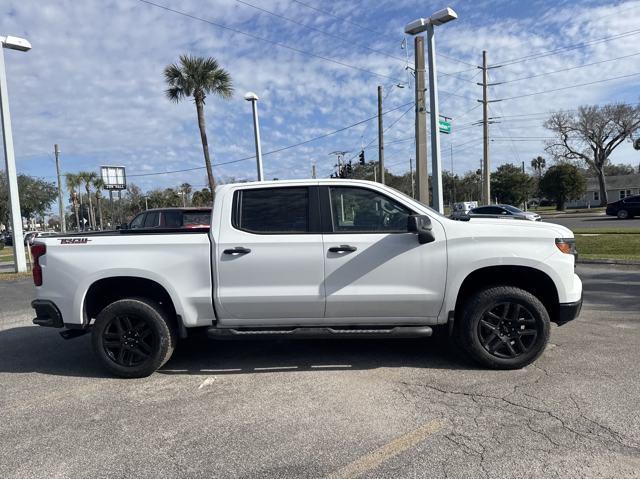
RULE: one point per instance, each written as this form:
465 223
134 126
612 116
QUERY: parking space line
372 460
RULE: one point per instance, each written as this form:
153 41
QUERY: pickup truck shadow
41 350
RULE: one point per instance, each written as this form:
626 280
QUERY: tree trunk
205 144
603 187
75 207
100 212
92 222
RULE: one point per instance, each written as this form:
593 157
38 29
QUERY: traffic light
361 157
636 143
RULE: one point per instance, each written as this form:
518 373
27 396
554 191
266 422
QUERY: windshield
513 209
423 204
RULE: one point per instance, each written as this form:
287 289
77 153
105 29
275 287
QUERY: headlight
567 246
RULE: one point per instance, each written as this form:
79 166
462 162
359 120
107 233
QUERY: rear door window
272 210
172 219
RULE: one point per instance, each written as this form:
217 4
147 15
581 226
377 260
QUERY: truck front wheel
133 337
504 327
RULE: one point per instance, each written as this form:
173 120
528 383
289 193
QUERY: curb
574 215
628 262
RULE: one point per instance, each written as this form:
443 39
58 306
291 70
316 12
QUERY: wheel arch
105 291
528 278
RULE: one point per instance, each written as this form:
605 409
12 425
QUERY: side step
323 331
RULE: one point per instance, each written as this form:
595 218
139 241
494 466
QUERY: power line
363 27
566 87
535 56
564 69
338 37
278 150
272 42
341 18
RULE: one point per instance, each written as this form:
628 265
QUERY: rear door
270 263
374 268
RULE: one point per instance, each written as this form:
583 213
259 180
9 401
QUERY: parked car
300 258
625 208
172 218
503 211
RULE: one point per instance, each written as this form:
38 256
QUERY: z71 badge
74 240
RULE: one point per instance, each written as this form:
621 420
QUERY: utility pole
313 171
486 166
436 162
63 221
421 122
380 136
453 179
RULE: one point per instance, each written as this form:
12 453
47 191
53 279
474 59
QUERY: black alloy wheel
133 337
503 327
508 330
129 341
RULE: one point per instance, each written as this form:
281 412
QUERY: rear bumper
47 314
568 312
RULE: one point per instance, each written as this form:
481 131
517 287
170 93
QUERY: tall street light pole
253 98
417 26
20 44
421 123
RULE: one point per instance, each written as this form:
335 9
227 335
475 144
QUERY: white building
618 187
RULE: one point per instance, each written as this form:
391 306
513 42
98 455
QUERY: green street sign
445 127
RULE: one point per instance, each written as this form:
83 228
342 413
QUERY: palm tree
198 77
99 186
73 182
87 177
186 189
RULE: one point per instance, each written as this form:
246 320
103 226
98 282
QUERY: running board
324 331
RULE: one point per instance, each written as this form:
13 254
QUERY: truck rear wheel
504 327
133 337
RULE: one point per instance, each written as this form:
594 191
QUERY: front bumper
568 312
47 314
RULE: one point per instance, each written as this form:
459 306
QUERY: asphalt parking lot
338 409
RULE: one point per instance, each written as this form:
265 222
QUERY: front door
375 268
270 263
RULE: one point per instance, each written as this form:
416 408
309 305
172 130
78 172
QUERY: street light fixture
418 26
20 44
253 98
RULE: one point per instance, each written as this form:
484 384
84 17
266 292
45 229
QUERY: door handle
343 248
237 250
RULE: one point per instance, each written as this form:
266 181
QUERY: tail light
37 250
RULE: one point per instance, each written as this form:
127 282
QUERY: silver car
503 211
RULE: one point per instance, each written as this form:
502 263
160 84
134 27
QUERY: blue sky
93 81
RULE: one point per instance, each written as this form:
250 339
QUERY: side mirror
124 226
421 224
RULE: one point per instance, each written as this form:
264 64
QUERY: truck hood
504 226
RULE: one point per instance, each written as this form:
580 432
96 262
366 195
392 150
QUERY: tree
561 183
35 195
509 184
98 184
614 170
198 77
88 177
185 191
202 197
591 135
73 183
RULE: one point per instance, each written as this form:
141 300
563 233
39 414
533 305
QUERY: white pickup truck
335 258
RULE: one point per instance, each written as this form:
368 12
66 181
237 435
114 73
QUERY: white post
256 130
10 161
436 164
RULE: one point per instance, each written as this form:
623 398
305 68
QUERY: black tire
133 337
504 327
623 215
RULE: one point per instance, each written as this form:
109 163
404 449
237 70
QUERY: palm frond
199 76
